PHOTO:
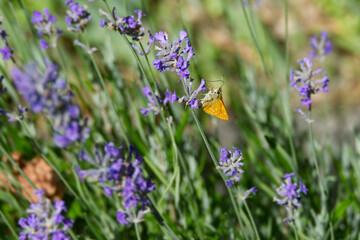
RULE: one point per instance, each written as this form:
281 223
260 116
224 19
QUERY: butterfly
213 104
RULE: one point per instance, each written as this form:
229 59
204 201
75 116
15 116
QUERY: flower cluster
45 25
45 92
290 195
306 83
152 103
322 47
173 57
118 173
192 100
77 17
6 51
247 193
126 25
45 221
230 164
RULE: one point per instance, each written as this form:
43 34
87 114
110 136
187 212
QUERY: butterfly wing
222 113
216 108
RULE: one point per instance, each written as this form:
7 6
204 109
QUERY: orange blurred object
39 172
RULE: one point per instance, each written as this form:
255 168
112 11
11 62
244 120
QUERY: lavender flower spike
127 216
45 92
290 195
120 174
45 25
193 101
322 47
77 17
153 104
6 51
45 221
231 163
13 117
306 82
173 57
126 25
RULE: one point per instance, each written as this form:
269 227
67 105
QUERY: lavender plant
306 82
76 17
320 47
127 26
48 33
290 196
6 50
121 175
45 221
230 164
46 92
107 193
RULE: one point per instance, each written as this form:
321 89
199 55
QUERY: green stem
291 141
293 153
161 220
215 162
9 225
138 237
295 230
102 82
258 48
314 159
251 219
17 167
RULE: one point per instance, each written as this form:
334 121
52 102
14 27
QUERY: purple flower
129 25
192 100
173 57
306 82
46 93
43 44
120 174
152 105
230 164
70 132
76 17
6 51
128 216
322 47
290 195
252 190
170 97
45 221
17 116
45 25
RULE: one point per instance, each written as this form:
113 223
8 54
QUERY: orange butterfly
213 104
